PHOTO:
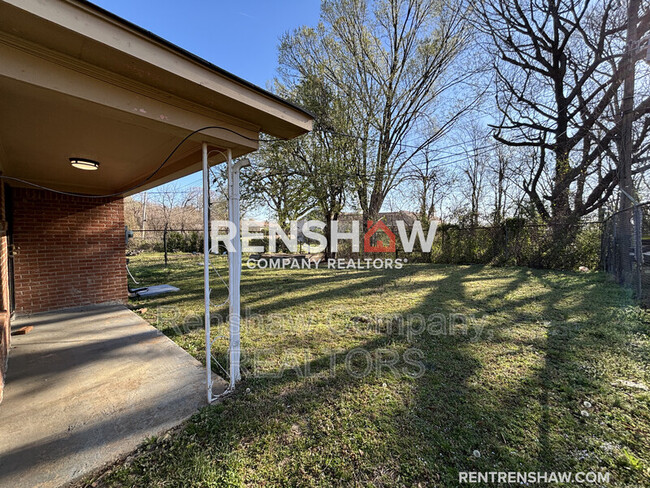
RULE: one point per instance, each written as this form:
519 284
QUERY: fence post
638 247
616 258
603 244
165 243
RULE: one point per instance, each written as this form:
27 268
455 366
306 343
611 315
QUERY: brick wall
5 329
70 251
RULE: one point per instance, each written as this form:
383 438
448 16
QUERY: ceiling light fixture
85 164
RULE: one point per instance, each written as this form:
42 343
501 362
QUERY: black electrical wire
148 178
483 150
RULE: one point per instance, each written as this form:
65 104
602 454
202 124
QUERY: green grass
512 383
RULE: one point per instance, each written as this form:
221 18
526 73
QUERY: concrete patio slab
86 387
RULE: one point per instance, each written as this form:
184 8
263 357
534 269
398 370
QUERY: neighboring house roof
257 225
389 218
78 81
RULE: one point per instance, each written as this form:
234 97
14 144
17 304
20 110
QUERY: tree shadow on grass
511 389
548 407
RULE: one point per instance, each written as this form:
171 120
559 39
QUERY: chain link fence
620 245
516 243
168 242
513 243
625 249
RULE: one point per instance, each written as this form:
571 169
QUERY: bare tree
559 64
427 181
133 213
475 171
500 169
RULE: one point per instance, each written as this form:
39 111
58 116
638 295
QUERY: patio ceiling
76 81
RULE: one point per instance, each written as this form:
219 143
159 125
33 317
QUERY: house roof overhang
77 81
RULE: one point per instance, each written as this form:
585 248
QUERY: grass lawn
406 377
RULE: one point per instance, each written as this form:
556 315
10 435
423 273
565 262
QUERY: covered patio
86 387
96 109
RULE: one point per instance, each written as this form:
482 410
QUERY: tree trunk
626 184
328 230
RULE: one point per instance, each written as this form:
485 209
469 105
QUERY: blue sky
240 36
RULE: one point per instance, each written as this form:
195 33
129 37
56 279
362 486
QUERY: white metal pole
144 213
234 268
206 269
234 271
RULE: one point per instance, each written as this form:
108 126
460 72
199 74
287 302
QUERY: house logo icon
380 246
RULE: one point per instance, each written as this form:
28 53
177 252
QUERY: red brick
64 244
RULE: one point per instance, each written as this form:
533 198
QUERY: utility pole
144 212
625 182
